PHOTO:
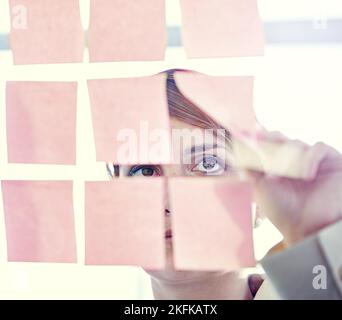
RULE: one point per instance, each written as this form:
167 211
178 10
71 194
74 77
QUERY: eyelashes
145 171
210 165
207 165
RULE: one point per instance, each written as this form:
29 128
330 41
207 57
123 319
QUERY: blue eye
145 171
210 165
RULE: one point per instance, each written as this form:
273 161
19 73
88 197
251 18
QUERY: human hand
300 207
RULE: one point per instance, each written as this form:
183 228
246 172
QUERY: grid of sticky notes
49 31
125 218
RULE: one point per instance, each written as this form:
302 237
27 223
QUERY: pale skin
297 209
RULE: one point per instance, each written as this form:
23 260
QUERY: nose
167 211
169 172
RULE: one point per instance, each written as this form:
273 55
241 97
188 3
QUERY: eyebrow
200 148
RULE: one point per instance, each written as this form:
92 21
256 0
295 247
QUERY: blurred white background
298 91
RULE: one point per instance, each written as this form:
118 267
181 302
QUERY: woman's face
203 155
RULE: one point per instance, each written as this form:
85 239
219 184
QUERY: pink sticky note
214 232
39 221
41 122
221 28
130 120
46 31
125 222
229 100
123 30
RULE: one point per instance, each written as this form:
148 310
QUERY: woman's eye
145 171
209 165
